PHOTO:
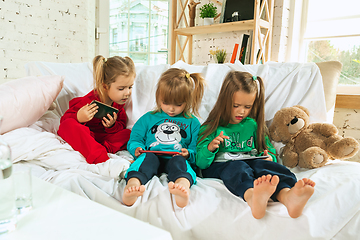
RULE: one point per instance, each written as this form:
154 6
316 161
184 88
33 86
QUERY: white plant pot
208 21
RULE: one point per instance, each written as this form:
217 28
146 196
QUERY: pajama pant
93 146
238 176
148 165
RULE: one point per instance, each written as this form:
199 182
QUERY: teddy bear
308 145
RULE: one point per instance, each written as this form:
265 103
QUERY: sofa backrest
286 84
330 72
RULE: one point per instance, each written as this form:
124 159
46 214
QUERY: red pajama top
95 124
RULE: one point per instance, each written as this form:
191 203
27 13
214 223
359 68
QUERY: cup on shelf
23 189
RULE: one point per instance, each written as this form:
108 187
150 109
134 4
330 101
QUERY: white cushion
78 80
142 98
214 75
23 101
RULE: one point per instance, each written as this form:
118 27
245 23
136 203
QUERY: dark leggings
144 168
238 176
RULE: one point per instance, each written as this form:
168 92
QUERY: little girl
170 127
234 130
94 138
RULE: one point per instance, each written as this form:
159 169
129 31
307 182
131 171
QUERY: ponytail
99 76
198 92
258 114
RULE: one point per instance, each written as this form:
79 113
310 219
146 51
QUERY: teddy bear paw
318 158
313 157
344 148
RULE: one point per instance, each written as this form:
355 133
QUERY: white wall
44 30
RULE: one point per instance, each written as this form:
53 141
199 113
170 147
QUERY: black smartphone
104 109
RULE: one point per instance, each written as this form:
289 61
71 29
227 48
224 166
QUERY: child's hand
87 112
266 153
184 153
137 151
214 144
108 121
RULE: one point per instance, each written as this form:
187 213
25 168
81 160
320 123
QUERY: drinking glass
7 194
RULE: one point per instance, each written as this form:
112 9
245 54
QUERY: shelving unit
182 35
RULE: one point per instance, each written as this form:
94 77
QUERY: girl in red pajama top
94 138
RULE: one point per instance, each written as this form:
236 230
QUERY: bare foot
258 199
180 192
297 197
132 191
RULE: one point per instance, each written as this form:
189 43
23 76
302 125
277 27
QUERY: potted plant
219 55
208 12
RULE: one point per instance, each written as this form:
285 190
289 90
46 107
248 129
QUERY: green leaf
208 11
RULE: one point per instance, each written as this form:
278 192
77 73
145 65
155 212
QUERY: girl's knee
69 122
177 162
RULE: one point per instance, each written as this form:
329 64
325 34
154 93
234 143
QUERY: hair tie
105 60
257 84
187 75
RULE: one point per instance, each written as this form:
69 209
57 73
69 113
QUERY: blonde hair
107 69
177 86
221 113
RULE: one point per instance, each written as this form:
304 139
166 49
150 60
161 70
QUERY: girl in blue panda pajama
170 127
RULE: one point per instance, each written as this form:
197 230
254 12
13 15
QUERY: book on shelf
243 49
233 56
259 57
247 51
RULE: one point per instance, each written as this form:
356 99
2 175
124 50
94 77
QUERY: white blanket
213 212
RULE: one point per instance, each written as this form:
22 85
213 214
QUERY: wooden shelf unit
259 27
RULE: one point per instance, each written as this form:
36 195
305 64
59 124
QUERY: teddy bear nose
295 120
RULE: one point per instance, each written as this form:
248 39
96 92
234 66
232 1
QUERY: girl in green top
233 134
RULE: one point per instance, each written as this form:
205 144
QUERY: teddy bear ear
304 109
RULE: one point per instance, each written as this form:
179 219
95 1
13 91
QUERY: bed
333 212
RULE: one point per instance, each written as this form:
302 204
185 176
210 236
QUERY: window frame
102 29
347 96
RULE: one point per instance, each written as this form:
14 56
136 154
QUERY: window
331 32
139 29
344 49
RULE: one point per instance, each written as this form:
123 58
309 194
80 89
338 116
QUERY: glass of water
7 194
23 189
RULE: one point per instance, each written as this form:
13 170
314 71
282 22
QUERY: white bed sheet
213 212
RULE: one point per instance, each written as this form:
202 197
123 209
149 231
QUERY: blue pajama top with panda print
161 132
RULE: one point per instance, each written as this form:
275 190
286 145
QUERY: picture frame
245 9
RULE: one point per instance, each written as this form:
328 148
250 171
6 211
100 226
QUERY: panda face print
168 133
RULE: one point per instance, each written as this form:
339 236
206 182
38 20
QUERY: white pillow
23 101
142 98
78 80
214 75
